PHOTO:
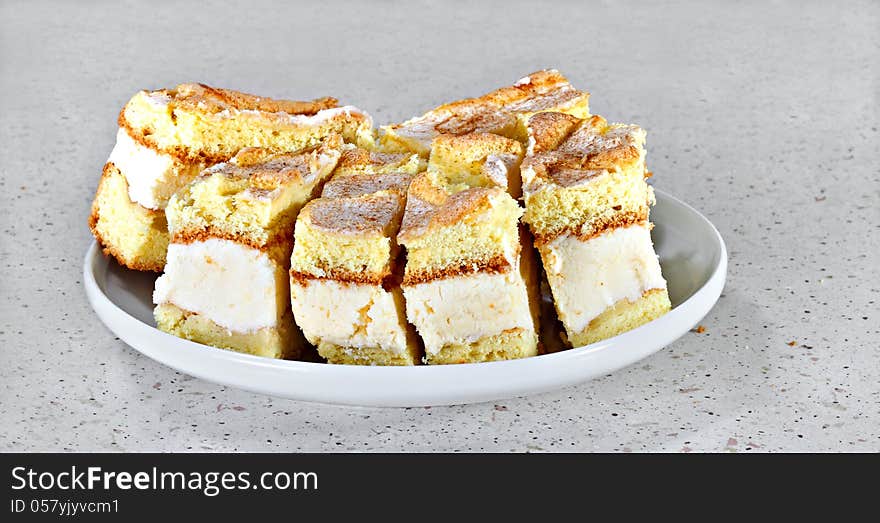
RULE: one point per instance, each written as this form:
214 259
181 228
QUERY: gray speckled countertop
765 118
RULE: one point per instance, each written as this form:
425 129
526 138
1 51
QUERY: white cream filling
466 308
349 315
151 176
234 286
587 277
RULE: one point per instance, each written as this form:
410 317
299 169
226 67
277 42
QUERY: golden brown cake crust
387 280
615 221
550 84
214 100
497 110
494 265
190 235
535 92
108 248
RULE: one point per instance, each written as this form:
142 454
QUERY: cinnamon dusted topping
429 207
469 118
567 151
357 158
536 91
548 130
266 170
497 111
363 184
368 214
215 100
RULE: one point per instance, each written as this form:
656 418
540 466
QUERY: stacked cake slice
504 112
587 205
282 224
225 282
167 137
470 282
345 291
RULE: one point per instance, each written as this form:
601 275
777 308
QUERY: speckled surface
765 118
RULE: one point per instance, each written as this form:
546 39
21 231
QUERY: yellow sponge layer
197 121
284 341
444 232
368 355
136 236
623 316
351 239
508 345
611 198
582 176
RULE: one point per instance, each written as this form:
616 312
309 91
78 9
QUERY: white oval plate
692 255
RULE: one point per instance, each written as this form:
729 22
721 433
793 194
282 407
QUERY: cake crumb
792 343
700 329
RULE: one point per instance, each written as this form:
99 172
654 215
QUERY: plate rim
703 300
